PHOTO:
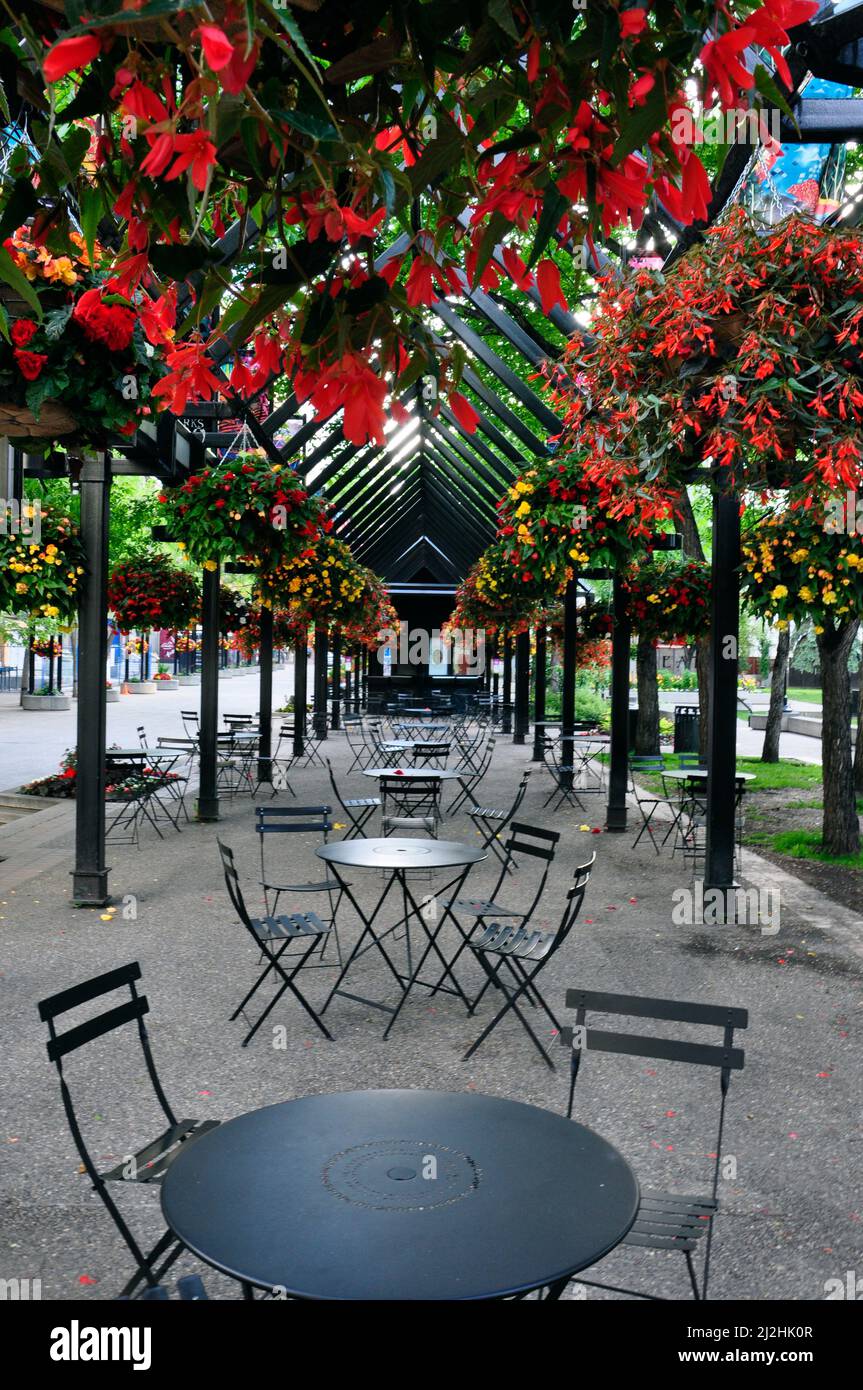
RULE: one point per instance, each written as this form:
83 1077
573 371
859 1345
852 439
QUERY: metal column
90 875
321 650
615 816
567 710
722 733
336 706
540 676
265 698
301 672
208 794
522 687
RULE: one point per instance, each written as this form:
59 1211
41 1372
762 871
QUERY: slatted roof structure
423 504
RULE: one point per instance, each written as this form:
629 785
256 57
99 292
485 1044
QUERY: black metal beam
615 815
208 790
90 876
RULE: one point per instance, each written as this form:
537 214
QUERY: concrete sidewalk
790 1197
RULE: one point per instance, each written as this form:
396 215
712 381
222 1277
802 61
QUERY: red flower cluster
30 364
110 324
150 592
22 332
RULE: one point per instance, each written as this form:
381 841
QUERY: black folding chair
358 809
524 953
470 777
150 1163
665 1221
273 936
358 745
562 772
647 802
410 803
431 754
297 820
532 840
175 784
491 822
191 723
190 1287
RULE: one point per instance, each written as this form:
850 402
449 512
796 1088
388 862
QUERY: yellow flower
779 592
653 598
806 594
523 509
211 564
818 631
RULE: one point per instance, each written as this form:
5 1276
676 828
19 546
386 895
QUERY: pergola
424 502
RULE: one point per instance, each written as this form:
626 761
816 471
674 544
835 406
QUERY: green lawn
806 844
810 697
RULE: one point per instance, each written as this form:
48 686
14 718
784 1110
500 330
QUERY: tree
798 565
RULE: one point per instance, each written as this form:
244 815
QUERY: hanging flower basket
150 592
323 587
41 578
244 509
77 359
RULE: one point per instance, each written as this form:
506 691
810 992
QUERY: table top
682 774
405 853
400 1195
406 772
145 755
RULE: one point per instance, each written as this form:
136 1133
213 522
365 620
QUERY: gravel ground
791 1214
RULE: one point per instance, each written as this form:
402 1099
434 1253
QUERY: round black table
399 857
400 1195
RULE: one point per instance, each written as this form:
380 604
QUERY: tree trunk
841 828
647 726
858 753
770 751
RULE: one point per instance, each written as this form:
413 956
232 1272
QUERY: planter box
167 685
142 687
112 696
47 702
189 680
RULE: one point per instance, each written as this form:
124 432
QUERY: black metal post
336 706
321 650
522 687
615 815
567 698
506 726
60 665
265 698
208 791
540 676
495 677
90 876
364 696
301 672
722 732
349 681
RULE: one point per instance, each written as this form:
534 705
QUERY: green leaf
21 201
4 323
317 127
769 90
37 392
498 225
56 321
554 205
641 123
90 204
292 29
501 12
388 189
14 278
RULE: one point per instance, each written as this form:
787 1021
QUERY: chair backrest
191 722
410 791
647 762
292 820
142 736
336 793
689 760
232 883
724 1056
60 1044
574 898
532 839
238 719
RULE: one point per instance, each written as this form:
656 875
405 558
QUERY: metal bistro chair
296 820
647 802
431 753
665 1221
525 953
358 809
562 774
491 822
532 840
470 776
358 745
191 723
175 784
273 936
148 1164
415 802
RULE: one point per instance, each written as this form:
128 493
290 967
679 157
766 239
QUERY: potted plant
163 680
112 694
46 699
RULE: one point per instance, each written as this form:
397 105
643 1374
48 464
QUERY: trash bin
686 728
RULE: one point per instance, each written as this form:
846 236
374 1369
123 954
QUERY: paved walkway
791 1194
